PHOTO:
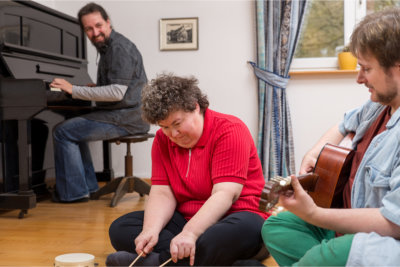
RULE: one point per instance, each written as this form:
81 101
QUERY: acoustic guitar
325 184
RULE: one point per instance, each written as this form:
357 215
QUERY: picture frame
179 34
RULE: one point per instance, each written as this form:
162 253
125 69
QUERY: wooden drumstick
136 259
162 265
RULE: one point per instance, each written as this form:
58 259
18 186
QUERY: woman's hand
222 197
183 246
160 208
145 242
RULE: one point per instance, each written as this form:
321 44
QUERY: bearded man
366 231
117 93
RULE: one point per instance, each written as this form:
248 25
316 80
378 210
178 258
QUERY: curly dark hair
168 93
92 8
378 34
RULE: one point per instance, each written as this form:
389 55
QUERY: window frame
354 11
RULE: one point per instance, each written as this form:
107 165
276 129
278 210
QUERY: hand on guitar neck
283 185
325 184
297 199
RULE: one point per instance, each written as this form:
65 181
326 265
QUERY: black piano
37 44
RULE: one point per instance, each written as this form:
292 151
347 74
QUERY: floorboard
51 229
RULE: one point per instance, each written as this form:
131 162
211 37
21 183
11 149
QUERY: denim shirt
376 184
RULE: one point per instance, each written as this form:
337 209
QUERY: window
327 28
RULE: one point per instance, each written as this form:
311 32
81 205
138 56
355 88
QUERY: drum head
74 259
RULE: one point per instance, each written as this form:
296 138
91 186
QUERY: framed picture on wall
179 34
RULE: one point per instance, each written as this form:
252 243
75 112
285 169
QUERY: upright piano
37 44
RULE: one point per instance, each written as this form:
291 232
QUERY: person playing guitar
366 230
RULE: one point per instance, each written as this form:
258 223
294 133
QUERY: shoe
120 258
56 199
94 195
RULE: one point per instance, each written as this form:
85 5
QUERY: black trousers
235 237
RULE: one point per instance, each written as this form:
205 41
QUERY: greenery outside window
327 29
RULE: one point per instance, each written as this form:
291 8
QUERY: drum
75 260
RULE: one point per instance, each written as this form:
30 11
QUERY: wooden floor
52 229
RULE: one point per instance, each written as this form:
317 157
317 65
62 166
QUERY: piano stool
128 183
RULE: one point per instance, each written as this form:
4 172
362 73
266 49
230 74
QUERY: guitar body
325 184
333 168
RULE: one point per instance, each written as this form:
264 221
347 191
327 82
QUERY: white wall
317 102
226 43
227 40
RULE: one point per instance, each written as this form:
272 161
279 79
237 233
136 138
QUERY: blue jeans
75 175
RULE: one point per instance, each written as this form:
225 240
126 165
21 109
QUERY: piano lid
30 66
28 24
37 42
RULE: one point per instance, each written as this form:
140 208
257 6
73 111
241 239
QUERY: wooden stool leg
128 161
127 184
122 189
135 183
141 186
110 187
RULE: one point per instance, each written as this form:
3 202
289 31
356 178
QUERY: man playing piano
370 221
120 78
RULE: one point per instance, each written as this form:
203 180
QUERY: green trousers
293 242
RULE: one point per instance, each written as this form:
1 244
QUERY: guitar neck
325 183
308 181
277 185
